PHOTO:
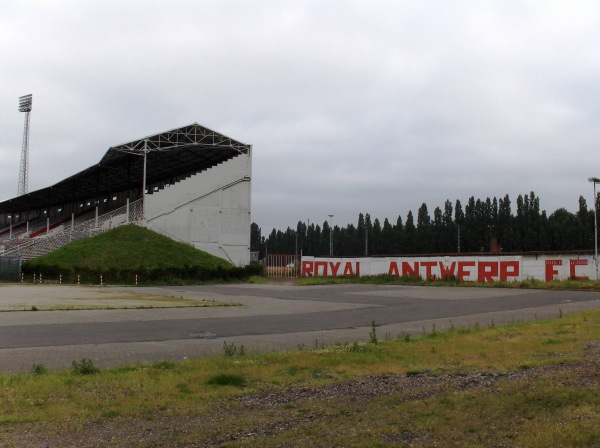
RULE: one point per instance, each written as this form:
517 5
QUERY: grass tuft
227 379
84 367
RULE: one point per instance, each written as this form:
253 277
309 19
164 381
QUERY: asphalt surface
271 317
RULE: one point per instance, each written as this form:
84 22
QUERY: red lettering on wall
393 270
408 271
572 264
320 264
486 271
462 272
509 269
447 272
551 271
428 265
307 268
348 269
334 267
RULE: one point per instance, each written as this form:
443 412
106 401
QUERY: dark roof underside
171 154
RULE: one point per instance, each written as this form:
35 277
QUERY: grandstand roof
178 152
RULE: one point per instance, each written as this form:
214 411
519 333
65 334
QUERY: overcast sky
351 106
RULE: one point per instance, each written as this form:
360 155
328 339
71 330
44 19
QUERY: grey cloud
349 106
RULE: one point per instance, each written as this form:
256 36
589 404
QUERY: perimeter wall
467 268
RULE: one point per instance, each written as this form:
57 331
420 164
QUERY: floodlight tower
24 106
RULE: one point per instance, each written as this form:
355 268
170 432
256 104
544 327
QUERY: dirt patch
65 298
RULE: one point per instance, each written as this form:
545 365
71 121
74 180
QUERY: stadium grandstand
191 184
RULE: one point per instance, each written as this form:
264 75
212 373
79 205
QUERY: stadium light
24 106
25 103
331 236
595 180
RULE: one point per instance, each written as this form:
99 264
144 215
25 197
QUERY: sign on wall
467 268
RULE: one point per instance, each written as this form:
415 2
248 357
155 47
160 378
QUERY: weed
357 347
227 379
34 308
373 333
39 369
229 350
184 388
318 346
84 367
163 365
560 313
403 337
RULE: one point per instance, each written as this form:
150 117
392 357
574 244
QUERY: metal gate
10 269
282 265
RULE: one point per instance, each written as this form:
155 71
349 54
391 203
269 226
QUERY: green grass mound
126 251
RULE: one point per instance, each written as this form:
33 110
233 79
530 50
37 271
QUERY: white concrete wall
468 268
210 210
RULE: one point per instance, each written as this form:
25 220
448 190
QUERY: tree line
451 229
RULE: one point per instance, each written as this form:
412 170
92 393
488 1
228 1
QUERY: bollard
34 278
41 281
77 279
60 279
22 277
101 280
135 279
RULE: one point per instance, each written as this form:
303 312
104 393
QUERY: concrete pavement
269 318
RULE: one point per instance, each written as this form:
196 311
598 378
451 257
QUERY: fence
10 269
282 266
41 245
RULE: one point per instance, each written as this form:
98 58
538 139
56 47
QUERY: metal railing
66 233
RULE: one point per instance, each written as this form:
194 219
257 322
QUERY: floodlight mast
24 106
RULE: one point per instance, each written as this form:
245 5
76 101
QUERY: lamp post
595 180
331 236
